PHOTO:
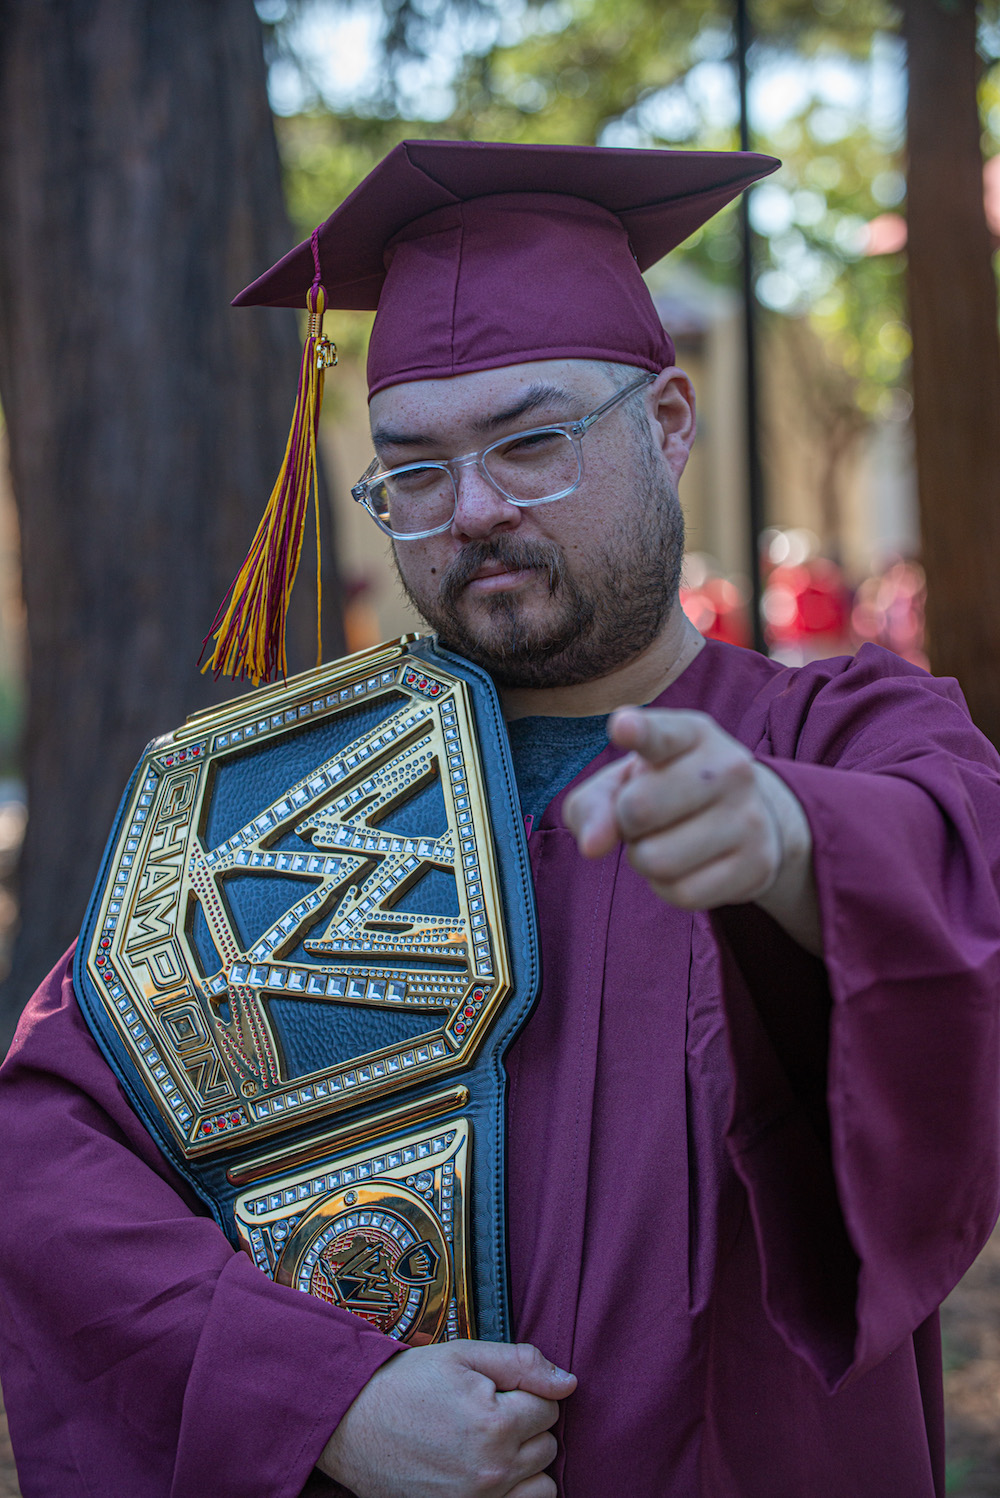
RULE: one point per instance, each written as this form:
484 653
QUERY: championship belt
311 942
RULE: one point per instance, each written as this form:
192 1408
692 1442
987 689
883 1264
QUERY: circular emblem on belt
377 1251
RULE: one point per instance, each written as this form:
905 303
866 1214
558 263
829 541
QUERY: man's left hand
703 822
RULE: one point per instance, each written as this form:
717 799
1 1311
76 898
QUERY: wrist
790 897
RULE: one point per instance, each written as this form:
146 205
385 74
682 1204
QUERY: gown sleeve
142 1356
866 1098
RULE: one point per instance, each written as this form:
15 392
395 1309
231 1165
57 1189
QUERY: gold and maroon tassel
249 628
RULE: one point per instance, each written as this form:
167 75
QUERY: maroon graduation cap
478 255
473 256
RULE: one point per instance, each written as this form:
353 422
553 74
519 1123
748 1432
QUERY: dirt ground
971 1333
8 1474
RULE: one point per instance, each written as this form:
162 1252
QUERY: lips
493 577
491 566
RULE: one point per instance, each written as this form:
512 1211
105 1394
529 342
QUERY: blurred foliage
813 262
638 72
989 108
11 723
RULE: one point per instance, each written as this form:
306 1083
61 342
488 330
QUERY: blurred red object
889 610
806 604
886 234
717 610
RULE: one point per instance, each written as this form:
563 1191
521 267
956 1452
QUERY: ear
672 417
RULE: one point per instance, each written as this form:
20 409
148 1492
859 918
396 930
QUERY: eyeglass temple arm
619 395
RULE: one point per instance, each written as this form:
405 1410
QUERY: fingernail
561 1373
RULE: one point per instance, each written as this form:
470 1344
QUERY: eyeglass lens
528 468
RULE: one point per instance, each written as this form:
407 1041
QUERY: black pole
755 477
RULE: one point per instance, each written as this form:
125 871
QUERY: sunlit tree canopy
827 95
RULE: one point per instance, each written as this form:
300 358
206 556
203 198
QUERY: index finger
589 810
658 734
528 1415
516 1365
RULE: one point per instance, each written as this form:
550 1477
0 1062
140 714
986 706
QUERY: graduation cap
473 256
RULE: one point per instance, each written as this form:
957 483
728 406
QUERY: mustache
514 555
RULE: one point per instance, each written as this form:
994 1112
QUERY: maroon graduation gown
740 1181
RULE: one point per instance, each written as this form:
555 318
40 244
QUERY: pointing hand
703 822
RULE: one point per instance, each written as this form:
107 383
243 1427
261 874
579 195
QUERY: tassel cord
249 628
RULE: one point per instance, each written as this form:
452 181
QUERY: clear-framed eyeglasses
534 467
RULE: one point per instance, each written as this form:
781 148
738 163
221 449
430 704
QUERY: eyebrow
534 397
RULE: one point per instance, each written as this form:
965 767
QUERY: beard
595 623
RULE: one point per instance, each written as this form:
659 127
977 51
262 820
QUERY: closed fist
458 1420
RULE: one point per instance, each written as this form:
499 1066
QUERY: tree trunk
956 353
139 190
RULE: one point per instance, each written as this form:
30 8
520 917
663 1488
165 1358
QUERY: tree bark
139 190
956 353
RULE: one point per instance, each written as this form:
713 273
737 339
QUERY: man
752 1120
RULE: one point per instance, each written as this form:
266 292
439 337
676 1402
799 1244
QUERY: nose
481 509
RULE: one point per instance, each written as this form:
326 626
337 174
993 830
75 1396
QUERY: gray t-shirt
549 752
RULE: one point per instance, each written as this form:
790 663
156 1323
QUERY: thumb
518 1366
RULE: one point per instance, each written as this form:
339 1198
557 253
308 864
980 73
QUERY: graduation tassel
249 627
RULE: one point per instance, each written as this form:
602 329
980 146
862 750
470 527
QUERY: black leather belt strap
310 944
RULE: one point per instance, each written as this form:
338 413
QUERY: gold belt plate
190 982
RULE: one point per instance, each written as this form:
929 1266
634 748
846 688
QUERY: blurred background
840 326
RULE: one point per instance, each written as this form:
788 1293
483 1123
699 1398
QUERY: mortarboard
477 255
473 256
